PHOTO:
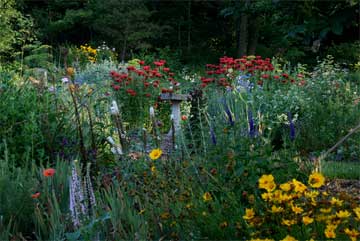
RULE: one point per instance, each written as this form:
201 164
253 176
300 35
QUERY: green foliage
15 29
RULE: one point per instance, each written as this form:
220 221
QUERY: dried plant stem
78 122
324 155
120 130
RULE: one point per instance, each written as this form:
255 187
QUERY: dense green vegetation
92 149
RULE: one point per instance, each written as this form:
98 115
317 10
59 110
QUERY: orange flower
49 172
184 117
35 195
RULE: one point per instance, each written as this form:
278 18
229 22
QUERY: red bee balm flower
35 195
49 172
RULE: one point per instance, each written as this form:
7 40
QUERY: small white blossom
114 109
152 112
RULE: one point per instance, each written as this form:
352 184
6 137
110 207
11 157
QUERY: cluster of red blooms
144 79
225 72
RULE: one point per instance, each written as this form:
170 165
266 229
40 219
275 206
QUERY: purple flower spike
292 127
251 124
212 134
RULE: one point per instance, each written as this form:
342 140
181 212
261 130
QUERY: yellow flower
316 180
275 209
223 224
153 169
285 187
266 196
297 209
298 186
357 212
289 238
325 210
207 197
343 214
267 182
141 211
335 201
307 220
249 214
330 231
312 194
165 215
155 154
353 233
288 222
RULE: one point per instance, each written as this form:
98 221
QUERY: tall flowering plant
138 86
231 73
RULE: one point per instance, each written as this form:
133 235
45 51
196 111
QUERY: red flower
49 172
148 95
285 75
146 84
35 195
141 62
276 76
146 68
159 63
265 76
116 87
166 69
184 117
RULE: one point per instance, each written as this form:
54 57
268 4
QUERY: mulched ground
341 186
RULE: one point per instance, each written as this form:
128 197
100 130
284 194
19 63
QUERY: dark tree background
199 30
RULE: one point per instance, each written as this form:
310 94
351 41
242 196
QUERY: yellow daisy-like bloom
266 196
298 186
275 209
325 210
155 154
285 187
207 197
249 214
267 182
357 212
316 180
307 220
335 201
289 238
288 222
343 214
297 209
312 194
153 169
330 231
352 233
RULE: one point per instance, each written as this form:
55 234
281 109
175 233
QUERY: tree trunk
243 31
189 27
254 28
123 50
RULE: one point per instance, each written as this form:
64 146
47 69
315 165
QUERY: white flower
152 112
114 109
116 150
65 80
110 140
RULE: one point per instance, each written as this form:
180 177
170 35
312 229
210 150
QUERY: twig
324 155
